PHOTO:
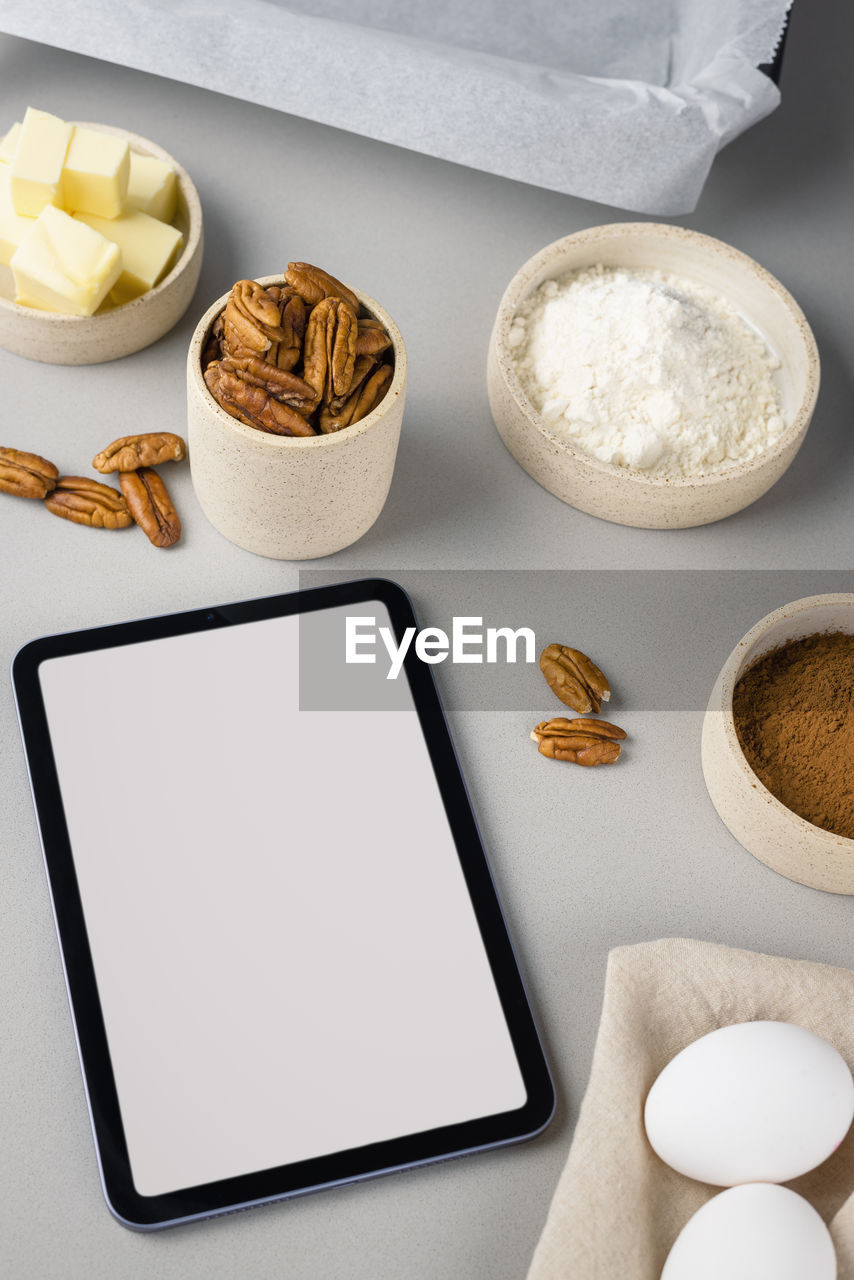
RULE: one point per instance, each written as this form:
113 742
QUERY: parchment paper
626 101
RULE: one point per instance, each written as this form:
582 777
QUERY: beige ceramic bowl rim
794 613
334 438
194 210
711 248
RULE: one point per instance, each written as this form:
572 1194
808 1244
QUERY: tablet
287 964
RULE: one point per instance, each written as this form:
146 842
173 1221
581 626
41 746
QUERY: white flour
647 370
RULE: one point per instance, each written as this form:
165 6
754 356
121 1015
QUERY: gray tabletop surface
584 861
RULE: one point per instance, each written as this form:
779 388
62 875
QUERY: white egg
754 1232
752 1102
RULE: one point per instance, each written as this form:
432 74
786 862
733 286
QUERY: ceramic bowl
292 498
119 331
618 493
759 821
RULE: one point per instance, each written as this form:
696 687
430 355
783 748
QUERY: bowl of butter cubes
100 241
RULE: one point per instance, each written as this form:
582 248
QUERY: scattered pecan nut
26 474
330 348
575 679
88 502
253 405
313 284
150 505
131 452
584 742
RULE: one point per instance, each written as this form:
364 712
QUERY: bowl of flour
650 375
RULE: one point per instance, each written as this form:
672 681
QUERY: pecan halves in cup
252 405
313 284
88 502
149 450
330 348
584 742
150 505
574 678
26 475
310 323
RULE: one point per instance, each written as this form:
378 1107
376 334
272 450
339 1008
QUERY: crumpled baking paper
626 102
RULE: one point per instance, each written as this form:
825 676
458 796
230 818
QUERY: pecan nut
26 474
330 348
251 322
287 352
313 284
252 404
363 366
372 339
283 386
150 505
212 349
359 403
131 452
88 502
584 742
574 678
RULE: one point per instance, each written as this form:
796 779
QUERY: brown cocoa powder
794 716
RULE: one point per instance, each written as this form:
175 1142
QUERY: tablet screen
286 953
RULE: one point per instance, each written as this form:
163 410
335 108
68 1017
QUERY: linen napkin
618 1208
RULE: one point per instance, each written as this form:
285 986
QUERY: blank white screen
286 954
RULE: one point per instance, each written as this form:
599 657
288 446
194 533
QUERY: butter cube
38 161
96 172
9 144
13 227
153 187
62 265
149 249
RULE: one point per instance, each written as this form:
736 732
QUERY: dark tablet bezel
149 1212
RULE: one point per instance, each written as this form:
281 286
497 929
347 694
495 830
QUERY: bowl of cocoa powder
778 742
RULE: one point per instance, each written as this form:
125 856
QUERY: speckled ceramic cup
779 838
108 335
619 493
292 498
